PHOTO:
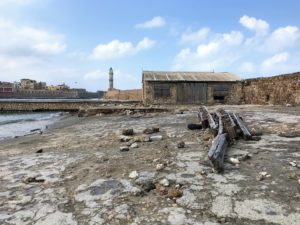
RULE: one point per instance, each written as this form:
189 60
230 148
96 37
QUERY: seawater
20 124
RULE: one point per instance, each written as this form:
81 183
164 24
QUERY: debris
134 145
128 132
125 138
34 180
174 192
181 144
156 138
124 148
151 130
194 126
141 138
39 151
133 175
148 186
160 167
234 160
255 138
164 182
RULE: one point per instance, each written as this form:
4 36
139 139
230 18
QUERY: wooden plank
246 133
228 123
217 151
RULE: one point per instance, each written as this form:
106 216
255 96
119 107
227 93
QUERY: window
220 92
161 90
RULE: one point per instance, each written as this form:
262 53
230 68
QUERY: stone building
6 89
187 87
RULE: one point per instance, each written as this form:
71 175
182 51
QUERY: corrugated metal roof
188 76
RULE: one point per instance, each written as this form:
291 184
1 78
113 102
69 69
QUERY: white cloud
6 3
50 48
155 22
259 26
264 52
275 60
282 38
195 37
118 49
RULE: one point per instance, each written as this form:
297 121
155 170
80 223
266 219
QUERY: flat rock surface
84 177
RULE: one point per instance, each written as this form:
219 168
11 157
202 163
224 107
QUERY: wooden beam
246 133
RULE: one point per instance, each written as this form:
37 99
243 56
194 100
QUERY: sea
20 124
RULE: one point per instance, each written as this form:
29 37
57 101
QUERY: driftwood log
217 151
243 127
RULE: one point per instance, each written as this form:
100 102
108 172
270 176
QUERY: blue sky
76 41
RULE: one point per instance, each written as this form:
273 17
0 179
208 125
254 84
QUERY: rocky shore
90 171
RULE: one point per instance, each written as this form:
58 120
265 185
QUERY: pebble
293 164
134 145
124 148
125 138
160 167
181 144
133 175
164 182
234 160
128 132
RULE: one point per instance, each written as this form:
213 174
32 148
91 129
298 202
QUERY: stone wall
277 90
123 95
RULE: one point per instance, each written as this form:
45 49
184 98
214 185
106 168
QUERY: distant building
6 89
27 84
61 87
187 87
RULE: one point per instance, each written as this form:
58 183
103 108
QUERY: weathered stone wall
149 94
133 95
277 90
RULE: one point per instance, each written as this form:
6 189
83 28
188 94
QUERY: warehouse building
188 87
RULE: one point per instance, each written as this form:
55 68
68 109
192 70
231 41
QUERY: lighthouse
111 79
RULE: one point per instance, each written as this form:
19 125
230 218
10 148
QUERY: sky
77 41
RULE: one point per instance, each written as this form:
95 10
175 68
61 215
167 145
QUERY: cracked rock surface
82 177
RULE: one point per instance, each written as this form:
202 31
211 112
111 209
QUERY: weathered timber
246 133
203 117
228 123
217 151
207 119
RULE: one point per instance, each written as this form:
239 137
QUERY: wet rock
134 145
181 144
128 132
160 167
124 148
156 138
148 186
134 175
164 182
193 126
151 130
39 151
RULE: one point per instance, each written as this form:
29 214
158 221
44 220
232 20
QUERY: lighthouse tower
111 79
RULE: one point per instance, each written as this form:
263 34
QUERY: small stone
174 193
124 148
164 182
148 186
156 138
151 130
234 160
181 144
125 138
134 145
40 151
133 175
160 167
141 138
128 132
293 164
